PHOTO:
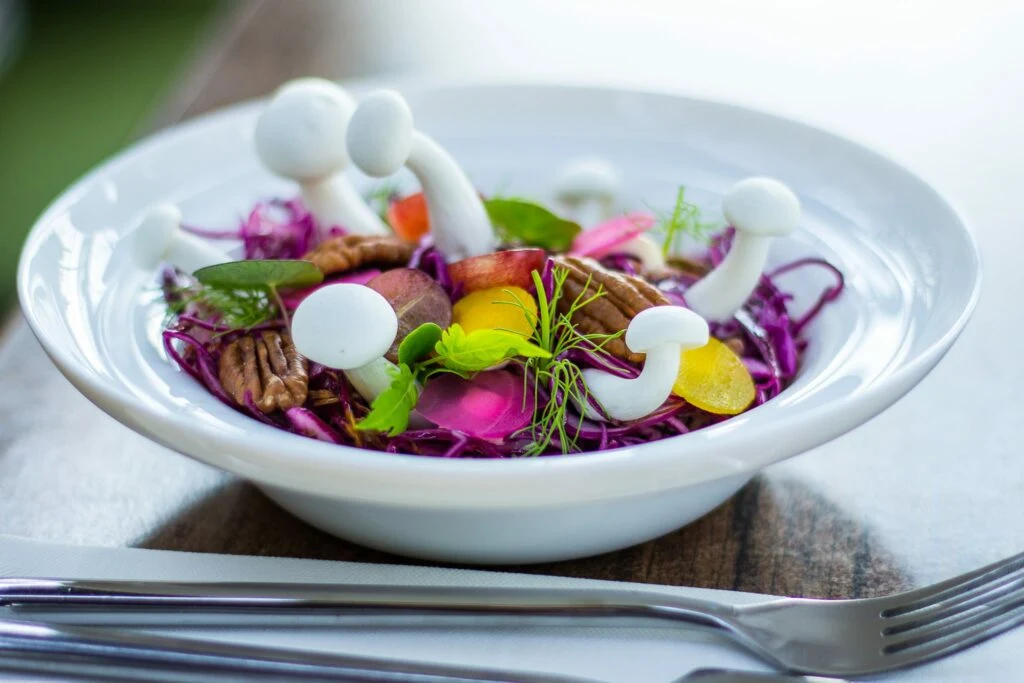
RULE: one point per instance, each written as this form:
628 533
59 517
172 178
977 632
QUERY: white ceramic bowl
912 281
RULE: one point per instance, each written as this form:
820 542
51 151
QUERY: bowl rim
645 464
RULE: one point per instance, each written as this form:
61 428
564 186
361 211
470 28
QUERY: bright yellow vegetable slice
495 308
714 379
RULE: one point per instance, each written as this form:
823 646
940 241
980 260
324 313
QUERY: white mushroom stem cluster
348 327
662 333
381 139
159 238
300 135
759 209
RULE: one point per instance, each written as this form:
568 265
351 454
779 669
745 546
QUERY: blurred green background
78 79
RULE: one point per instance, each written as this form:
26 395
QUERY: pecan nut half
269 368
351 252
625 296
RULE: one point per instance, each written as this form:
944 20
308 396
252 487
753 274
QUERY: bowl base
510 535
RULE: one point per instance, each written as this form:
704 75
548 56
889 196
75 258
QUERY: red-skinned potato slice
502 268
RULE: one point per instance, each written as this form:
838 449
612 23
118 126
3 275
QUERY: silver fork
819 637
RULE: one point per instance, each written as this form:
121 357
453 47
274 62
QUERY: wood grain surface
70 473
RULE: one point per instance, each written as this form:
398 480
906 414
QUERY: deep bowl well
912 281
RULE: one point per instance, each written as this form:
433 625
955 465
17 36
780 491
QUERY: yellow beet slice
714 379
494 308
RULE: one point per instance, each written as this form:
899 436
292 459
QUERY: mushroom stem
335 202
631 399
719 294
646 250
458 219
159 238
372 379
300 135
588 189
660 332
759 209
381 139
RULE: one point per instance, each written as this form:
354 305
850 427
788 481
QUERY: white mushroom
759 209
381 139
588 188
646 250
662 333
301 136
348 327
159 238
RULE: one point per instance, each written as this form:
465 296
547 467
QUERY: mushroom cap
150 241
380 133
653 327
344 326
588 178
301 133
761 206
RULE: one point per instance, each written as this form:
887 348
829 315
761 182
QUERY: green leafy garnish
419 343
518 220
235 309
481 349
269 274
390 411
683 220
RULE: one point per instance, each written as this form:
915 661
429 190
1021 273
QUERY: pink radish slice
361 277
602 239
489 406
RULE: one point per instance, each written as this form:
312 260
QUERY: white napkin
617 655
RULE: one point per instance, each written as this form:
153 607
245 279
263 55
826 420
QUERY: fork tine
958 633
959 604
952 588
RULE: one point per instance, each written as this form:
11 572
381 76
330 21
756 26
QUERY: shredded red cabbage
769 335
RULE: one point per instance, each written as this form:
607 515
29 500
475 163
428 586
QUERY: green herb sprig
684 219
556 334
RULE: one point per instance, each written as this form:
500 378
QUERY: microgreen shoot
684 219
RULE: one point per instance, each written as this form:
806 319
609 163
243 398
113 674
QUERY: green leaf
260 274
418 343
482 349
390 411
532 224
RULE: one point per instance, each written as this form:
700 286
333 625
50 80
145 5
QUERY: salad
452 324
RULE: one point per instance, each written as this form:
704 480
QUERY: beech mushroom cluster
301 136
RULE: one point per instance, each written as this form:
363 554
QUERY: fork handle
108 655
154 603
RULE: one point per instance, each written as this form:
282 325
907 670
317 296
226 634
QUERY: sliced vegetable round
714 379
497 308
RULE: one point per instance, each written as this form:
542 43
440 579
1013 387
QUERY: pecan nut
625 296
351 252
268 368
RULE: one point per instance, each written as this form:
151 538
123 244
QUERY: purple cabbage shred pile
772 343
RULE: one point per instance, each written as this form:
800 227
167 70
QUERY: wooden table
902 501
